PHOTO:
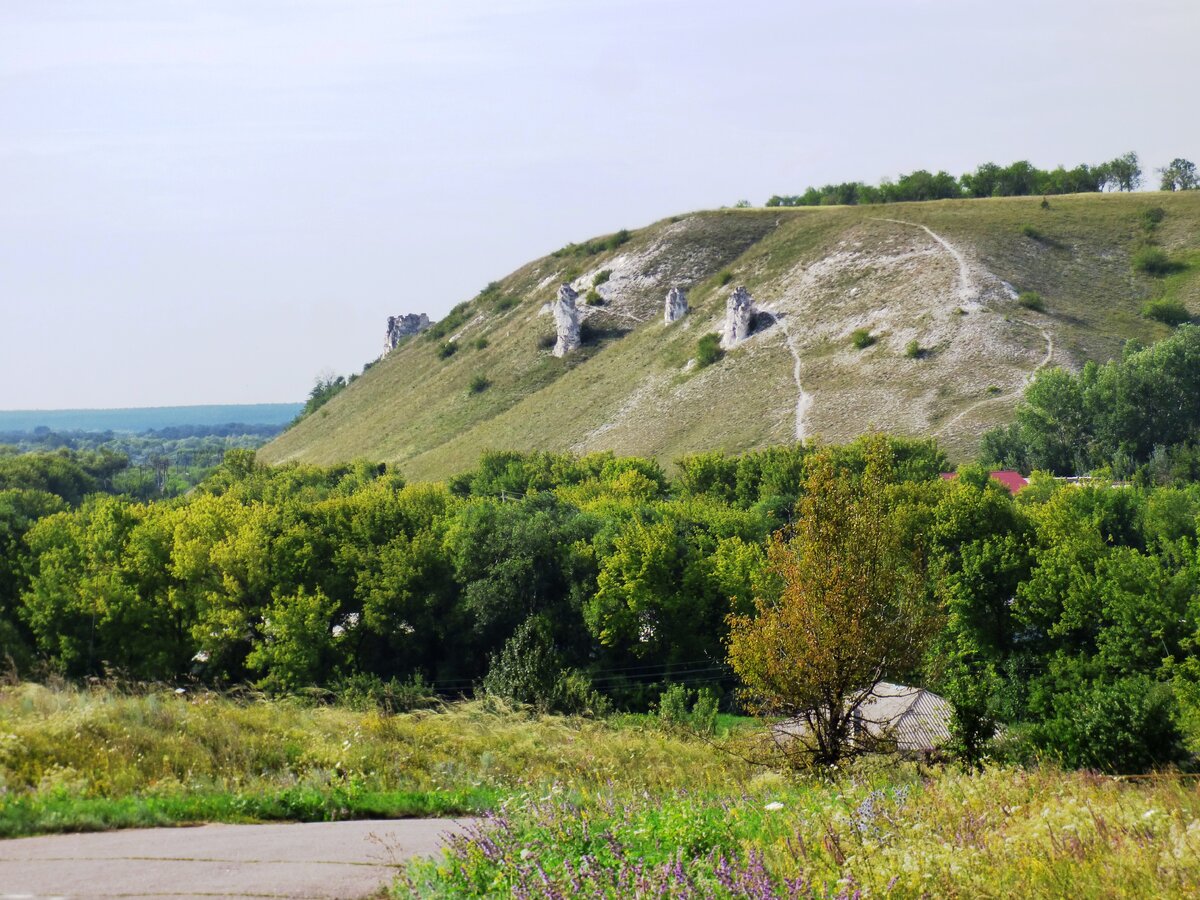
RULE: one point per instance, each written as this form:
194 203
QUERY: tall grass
75 759
891 832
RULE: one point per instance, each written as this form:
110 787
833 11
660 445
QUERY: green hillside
944 275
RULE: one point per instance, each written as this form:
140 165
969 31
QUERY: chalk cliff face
566 320
402 326
676 305
739 318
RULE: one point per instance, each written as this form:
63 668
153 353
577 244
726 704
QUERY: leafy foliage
1031 300
846 609
708 350
1169 312
1020 179
861 338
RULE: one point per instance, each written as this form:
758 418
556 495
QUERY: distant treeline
160 463
143 419
1020 179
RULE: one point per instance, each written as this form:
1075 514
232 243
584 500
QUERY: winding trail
804 400
1011 395
967 290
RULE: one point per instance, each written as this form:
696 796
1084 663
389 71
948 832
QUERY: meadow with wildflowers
894 832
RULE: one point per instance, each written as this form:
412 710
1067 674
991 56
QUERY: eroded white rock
739 318
676 305
566 320
399 327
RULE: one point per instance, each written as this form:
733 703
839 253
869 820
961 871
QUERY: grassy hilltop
936 284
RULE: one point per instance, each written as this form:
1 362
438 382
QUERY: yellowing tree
849 608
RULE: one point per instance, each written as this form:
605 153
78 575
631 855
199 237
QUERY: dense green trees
1138 414
1019 179
1180 175
1070 615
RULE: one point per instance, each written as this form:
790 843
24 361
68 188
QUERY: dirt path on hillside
317 860
804 400
968 289
1011 395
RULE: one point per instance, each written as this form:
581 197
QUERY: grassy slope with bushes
78 760
832 270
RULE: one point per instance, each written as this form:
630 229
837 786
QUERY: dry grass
828 271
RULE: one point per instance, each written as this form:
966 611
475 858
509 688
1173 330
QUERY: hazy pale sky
211 201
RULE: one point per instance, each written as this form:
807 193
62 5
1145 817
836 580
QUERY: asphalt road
341 860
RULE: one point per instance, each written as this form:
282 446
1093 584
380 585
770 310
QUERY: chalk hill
935 284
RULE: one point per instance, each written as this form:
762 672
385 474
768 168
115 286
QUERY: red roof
1014 481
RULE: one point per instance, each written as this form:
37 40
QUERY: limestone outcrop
399 327
676 305
566 320
739 318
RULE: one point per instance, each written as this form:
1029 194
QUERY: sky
215 201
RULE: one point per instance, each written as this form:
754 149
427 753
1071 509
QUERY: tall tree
1180 175
850 609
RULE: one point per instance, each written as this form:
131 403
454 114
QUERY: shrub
861 338
913 350
676 708
593 298
443 327
1152 216
478 384
480 343
1032 300
1155 262
364 691
1169 312
447 349
602 276
546 341
505 302
591 248
708 350
1034 233
724 277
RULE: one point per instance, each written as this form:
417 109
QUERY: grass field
81 760
825 272
583 808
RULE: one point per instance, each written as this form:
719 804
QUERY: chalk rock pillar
399 327
739 315
566 320
675 307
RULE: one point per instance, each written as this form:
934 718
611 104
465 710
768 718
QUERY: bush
1169 312
913 350
365 691
1152 216
443 327
591 248
505 302
1032 300
480 343
593 298
602 276
708 350
447 349
478 384
676 708
724 277
546 341
1034 233
1155 262
861 338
